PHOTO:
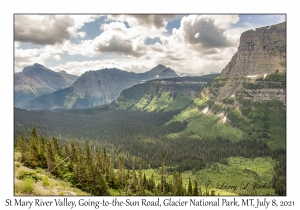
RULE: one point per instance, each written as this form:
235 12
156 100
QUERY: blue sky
188 43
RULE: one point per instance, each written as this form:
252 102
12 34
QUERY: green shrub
276 85
228 100
25 187
27 174
45 182
217 84
259 79
68 176
28 185
61 193
253 86
276 77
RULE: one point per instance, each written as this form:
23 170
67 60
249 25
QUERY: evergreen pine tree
121 174
190 188
33 150
50 159
163 181
196 192
55 147
140 180
22 146
42 156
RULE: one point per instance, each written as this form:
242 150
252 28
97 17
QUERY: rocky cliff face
261 51
247 100
261 54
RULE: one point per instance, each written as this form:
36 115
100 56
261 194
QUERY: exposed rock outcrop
260 52
261 55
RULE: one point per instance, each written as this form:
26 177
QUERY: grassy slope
209 124
202 125
162 95
245 118
239 170
45 185
163 102
238 173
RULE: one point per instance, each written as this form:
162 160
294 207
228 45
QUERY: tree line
139 136
93 171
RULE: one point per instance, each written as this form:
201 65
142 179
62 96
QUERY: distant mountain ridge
159 72
162 94
37 80
96 88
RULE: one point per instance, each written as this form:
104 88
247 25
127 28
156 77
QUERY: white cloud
205 42
223 21
42 29
49 29
120 40
202 43
78 68
146 20
157 47
175 51
115 38
17 44
27 57
84 48
147 25
185 54
80 34
57 57
79 21
206 31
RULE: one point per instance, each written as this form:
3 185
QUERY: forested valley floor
104 151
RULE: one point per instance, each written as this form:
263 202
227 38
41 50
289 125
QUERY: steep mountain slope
69 78
37 80
96 88
247 100
162 94
101 87
261 52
